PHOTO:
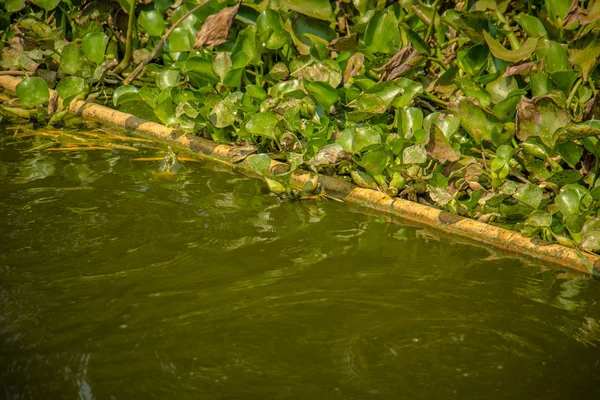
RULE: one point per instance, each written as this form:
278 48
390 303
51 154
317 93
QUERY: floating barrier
239 158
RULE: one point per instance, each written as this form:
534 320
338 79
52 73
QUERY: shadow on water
116 284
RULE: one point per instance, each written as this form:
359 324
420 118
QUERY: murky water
118 285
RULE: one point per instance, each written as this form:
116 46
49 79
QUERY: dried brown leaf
355 63
216 28
439 148
398 65
519 69
577 14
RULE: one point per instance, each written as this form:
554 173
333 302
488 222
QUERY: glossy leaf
568 201
152 22
70 59
260 163
529 194
46 4
263 124
473 119
382 34
323 93
14 5
531 25
70 86
590 235
168 78
33 92
94 46
181 39
320 9
354 139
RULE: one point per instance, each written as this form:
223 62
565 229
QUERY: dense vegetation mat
484 109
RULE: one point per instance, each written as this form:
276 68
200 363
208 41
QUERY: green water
117 285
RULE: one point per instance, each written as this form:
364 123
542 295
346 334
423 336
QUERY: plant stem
435 99
129 43
161 43
592 86
514 42
432 23
573 91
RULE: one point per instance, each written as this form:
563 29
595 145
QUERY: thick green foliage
483 108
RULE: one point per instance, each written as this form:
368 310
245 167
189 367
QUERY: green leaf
565 177
263 124
260 163
410 120
415 154
529 194
320 9
270 30
279 71
540 117
472 89
325 95
14 5
565 79
256 92
33 92
70 59
554 55
505 110
224 113
200 67
152 22
165 111
382 34
370 103
124 94
473 60
410 90
46 4
181 39
168 78
473 119
70 86
568 201
447 123
500 165
245 44
570 152
94 46
439 147
374 161
590 235
585 54
353 139
363 179
531 25
499 51
558 9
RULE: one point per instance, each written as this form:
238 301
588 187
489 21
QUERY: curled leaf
499 51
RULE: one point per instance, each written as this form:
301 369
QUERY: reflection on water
115 284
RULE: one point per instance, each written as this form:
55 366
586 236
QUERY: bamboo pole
238 158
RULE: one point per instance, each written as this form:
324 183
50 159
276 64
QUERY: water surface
118 285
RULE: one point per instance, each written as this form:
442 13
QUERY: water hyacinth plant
486 109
